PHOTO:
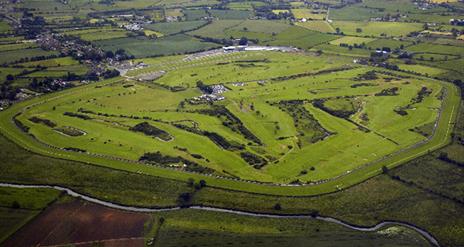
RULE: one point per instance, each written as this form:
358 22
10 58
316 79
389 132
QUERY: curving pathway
374 228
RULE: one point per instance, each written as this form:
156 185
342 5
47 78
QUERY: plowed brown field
81 224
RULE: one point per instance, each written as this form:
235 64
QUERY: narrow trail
374 228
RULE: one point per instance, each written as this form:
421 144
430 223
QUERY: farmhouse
217 89
456 22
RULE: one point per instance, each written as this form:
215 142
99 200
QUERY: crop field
238 28
144 47
169 28
421 69
19 46
344 51
93 34
354 13
390 43
231 14
84 222
23 54
256 132
350 40
195 14
246 5
390 29
264 33
437 49
308 14
54 62
320 26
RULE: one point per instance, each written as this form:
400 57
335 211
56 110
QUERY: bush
388 92
151 130
184 199
253 159
15 205
47 122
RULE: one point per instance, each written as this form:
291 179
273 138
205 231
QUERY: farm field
169 28
143 47
320 26
93 34
308 14
376 29
350 40
23 54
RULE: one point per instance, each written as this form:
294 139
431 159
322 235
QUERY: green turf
287 160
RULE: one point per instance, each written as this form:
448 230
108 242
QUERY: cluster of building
238 84
217 89
133 27
57 42
131 22
389 18
456 22
206 98
23 94
214 94
423 5
124 67
4 104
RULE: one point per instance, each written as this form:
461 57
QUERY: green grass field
4 27
144 47
421 69
94 34
169 28
350 40
289 151
17 55
320 26
308 14
376 29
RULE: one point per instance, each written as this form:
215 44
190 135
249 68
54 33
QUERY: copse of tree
110 73
243 41
200 184
184 199
190 182
15 205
